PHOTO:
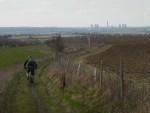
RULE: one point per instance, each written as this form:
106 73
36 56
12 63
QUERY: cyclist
30 66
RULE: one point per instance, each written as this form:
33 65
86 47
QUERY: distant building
122 26
95 26
92 26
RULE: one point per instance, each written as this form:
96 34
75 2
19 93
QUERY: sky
73 13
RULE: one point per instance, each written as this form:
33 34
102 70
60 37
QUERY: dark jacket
30 63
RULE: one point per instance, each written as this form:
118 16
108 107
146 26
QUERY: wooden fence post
95 74
121 79
73 69
63 81
78 69
66 65
101 74
89 42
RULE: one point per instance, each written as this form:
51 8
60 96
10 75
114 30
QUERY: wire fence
120 85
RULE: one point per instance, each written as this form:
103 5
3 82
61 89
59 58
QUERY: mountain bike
30 78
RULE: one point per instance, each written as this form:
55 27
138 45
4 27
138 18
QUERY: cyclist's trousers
30 69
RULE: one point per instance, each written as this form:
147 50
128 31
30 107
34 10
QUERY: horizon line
71 26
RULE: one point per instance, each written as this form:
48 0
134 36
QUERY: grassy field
11 56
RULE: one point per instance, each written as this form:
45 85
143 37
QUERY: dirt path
37 99
6 75
15 93
10 70
92 52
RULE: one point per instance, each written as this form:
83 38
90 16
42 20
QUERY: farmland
109 74
136 57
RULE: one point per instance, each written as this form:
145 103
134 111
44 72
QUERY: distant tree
5 36
7 42
57 45
30 36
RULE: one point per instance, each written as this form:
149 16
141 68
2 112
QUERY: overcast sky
62 13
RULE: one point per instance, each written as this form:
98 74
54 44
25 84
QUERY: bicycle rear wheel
30 79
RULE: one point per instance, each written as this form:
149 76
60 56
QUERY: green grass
9 56
24 101
41 89
17 97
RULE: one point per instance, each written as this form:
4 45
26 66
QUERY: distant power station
108 25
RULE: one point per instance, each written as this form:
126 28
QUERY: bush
6 42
